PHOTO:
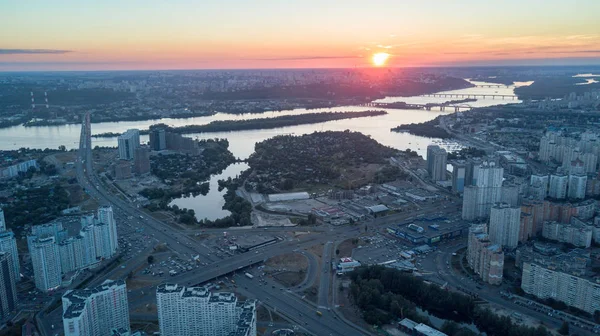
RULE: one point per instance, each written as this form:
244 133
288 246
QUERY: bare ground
290 261
290 279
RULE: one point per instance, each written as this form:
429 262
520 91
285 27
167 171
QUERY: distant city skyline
135 35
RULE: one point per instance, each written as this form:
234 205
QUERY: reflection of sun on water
379 59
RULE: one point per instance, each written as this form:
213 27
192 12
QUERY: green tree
564 329
150 259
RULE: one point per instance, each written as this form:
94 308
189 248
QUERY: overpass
428 106
499 86
471 95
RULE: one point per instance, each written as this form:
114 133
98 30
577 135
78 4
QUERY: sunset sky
178 34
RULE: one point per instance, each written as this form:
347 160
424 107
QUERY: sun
379 59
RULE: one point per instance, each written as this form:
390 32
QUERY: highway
325 283
294 308
487 293
285 303
178 241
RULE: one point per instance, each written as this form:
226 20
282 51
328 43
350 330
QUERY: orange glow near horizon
380 59
211 34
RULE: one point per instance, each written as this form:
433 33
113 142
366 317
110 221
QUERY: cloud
32 51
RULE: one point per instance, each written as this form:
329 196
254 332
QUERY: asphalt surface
325 283
488 293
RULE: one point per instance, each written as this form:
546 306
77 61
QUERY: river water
242 142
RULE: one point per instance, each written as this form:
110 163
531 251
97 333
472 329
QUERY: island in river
260 123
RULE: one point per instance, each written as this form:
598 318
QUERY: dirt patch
202 236
147 327
149 308
346 247
290 279
316 250
134 283
293 262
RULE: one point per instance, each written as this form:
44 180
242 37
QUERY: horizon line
317 68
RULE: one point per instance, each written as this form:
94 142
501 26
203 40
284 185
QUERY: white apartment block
505 222
96 311
577 186
572 290
487 191
128 142
45 259
576 234
8 244
558 186
195 311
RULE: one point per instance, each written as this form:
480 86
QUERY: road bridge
471 95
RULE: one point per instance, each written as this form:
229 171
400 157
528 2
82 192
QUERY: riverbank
260 123
429 129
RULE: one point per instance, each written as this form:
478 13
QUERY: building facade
45 259
576 233
485 258
96 311
158 140
505 225
459 171
436 162
8 244
557 188
577 186
195 311
574 291
8 289
128 142
487 191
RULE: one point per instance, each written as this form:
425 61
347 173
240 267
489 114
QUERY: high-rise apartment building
484 257
505 225
106 216
459 171
8 289
537 210
575 233
45 259
558 186
195 311
436 162
538 186
2 221
96 311
479 199
141 162
158 140
128 142
8 244
574 291
577 186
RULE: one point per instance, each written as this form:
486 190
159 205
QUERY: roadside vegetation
385 294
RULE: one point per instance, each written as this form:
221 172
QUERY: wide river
242 142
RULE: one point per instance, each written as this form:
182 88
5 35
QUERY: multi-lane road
289 304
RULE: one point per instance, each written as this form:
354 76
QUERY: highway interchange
285 302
